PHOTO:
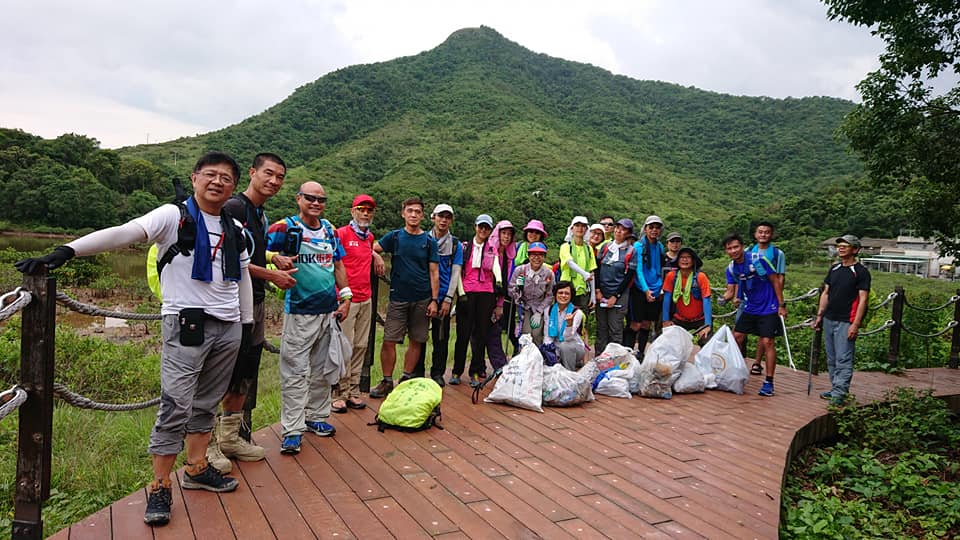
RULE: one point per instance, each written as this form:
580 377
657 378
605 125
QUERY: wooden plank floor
697 466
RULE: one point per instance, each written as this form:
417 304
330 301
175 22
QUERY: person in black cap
686 296
674 243
846 291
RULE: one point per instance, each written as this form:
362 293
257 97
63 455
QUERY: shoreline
36 234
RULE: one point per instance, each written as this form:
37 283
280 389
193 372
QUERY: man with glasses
609 225
231 439
645 301
207 295
357 241
450 251
414 287
311 309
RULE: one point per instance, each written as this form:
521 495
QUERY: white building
905 255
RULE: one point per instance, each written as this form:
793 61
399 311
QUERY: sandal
756 369
356 404
342 408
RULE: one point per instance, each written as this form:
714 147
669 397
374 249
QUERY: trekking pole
786 340
813 344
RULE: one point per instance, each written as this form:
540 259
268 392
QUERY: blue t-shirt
447 261
756 292
409 264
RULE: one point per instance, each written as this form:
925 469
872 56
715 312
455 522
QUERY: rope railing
16 304
886 301
807 323
889 323
950 326
809 294
87 309
83 402
949 302
11 400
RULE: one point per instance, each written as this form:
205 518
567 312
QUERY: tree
906 131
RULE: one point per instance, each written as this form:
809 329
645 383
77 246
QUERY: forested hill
487 125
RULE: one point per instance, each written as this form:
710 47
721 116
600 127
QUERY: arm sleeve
573 266
667 299
107 239
246 297
707 311
454 280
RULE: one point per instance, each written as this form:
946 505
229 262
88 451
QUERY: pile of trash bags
672 364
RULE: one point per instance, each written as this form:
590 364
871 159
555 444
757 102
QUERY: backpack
605 248
186 237
414 405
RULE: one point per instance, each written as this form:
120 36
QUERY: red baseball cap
363 198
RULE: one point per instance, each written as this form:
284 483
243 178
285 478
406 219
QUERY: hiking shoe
215 457
232 445
159 501
767 389
454 380
826 395
405 377
474 381
838 401
382 389
439 380
322 429
290 445
208 478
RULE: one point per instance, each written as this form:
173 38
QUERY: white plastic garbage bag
614 354
721 363
613 383
565 388
691 380
663 362
521 381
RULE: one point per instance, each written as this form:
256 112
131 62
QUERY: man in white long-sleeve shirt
207 295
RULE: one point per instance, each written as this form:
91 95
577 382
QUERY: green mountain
488 126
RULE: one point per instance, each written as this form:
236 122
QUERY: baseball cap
537 247
652 219
363 198
440 208
849 239
626 223
597 227
674 236
484 219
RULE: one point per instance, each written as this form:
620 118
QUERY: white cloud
118 70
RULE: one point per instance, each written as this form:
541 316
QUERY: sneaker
766 390
826 395
290 445
454 380
474 381
838 401
439 380
382 389
208 478
322 429
159 501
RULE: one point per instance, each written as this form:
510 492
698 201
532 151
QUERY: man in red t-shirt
357 241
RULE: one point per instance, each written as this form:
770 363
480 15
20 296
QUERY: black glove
54 259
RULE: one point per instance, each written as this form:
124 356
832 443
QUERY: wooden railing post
36 414
372 333
893 355
955 342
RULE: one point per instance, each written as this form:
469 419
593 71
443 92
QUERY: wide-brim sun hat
536 225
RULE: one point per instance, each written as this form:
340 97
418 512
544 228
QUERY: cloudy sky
133 71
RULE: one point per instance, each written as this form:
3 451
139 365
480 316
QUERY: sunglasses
313 198
363 208
608 224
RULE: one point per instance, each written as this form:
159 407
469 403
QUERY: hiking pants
305 395
193 380
440 338
610 324
357 329
473 322
840 351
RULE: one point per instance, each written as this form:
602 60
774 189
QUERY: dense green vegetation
893 474
489 126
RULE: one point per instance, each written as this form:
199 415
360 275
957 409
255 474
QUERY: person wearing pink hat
532 288
533 232
505 312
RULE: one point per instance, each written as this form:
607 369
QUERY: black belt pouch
191 326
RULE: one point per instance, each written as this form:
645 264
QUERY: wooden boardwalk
697 466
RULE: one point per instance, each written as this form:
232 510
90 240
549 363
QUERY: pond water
126 263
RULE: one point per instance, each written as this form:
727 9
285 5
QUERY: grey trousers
304 393
840 351
193 380
610 322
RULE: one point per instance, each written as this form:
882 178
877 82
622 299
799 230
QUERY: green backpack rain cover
413 405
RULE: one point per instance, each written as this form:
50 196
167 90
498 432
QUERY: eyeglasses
611 224
655 226
210 176
313 198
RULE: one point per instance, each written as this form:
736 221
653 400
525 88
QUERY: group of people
220 250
